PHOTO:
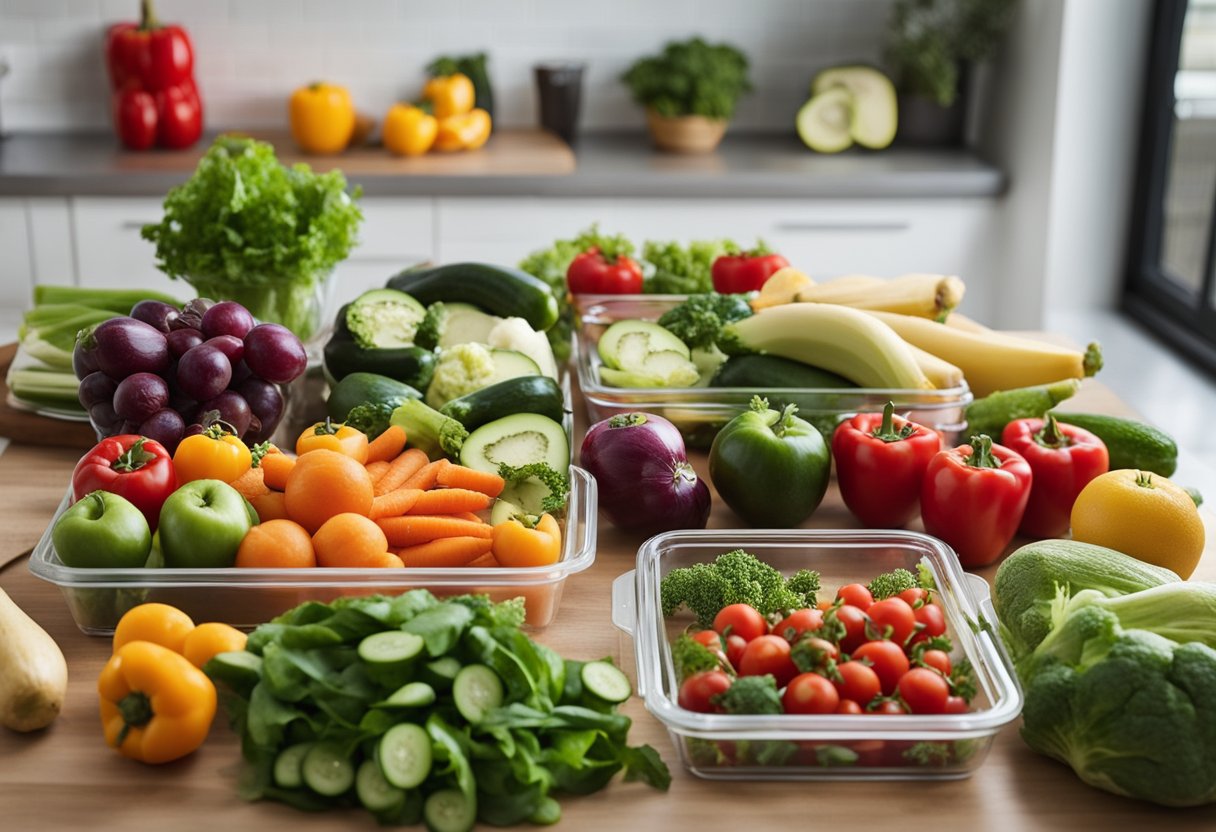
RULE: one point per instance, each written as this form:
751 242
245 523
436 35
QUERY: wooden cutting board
30 428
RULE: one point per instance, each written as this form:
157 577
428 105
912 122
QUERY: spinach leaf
440 627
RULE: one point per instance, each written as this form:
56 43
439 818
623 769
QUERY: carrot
411 531
394 503
426 476
458 476
387 446
377 469
445 552
486 561
450 501
251 483
275 468
466 515
401 469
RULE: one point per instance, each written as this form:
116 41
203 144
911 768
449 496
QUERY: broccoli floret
805 584
891 583
698 320
460 370
509 613
750 695
928 753
431 328
429 430
372 417
690 656
962 679
557 483
736 577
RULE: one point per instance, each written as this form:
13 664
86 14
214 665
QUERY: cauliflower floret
516 334
460 370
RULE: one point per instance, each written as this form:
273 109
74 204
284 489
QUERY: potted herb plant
689 91
246 228
932 48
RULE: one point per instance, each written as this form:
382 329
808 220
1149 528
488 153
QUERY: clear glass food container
245 598
831 746
700 412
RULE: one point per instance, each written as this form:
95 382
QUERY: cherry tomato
848 706
888 660
956 705
858 595
915 596
896 614
938 659
796 623
933 618
924 691
740 619
708 638
870 752
820 650
735 645
699 688
858 682
889 707
854 621
810 693
768 654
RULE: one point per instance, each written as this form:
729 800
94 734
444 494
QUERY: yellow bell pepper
467 132
409 130
322 118
333 436
214 454
155 705
450 95
527 541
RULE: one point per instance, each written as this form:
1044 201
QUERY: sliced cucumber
477 689
606 681
326 770
875 110
466 324
520 439
404 755
288 766
410 695
238 669
504 510
824 122
448 810
390 647
441 672
509 364
384 318
375 793
625 344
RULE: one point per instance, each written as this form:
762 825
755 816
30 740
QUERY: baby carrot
388 445
275 468
486 561
458 476
450 501
394 503
411 531
426 476
401 469
466 515
445 552
377 469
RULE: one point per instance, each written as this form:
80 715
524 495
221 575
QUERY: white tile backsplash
250 54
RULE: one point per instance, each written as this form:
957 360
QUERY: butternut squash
33 673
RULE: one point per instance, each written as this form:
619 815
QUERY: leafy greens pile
690 78
305 679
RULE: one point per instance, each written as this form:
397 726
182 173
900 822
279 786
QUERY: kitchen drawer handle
827 225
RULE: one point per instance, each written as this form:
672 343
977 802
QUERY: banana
993 361
961 321
845 341
941 373
926 295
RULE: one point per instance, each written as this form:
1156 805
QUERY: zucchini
384 318
358 388
523 394
499 290
774 372
517 440
1129 443
412 365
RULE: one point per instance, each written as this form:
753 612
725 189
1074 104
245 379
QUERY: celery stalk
118 301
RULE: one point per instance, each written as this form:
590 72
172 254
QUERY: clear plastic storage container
700 412
248 597
831 746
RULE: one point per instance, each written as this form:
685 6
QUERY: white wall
252 53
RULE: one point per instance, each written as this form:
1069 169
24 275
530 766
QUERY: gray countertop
745 165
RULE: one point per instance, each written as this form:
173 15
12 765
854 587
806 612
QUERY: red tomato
819 650
740 619
937 659
699 688
858 595
735 645
709 638
854 621
796 623
896 614
889 707
915 596
956 705
768 654
848 706
746 272
888 660
924 691
933 618
591 273
858 682
870 753
810 693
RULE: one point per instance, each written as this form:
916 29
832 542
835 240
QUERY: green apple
202 525
102 530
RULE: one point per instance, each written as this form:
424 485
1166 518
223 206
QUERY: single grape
203 372
232 408
182 340
226 318
191 316
104 419
96 387
155 313
274 353
229 345
265 401
140 395
166 427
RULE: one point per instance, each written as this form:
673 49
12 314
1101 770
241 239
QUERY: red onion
642 473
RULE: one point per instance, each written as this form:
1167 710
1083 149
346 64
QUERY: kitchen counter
528 163
65 777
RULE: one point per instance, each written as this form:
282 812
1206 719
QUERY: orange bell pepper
522 542
409 130
158 623
334 436
464 132
214 454
322 118
206 641
155 705
450 95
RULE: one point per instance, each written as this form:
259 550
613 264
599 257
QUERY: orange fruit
276 544
1143 515
350 540
324 484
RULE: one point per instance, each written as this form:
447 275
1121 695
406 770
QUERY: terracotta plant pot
685 134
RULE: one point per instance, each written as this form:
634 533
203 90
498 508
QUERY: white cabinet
15 268
395 234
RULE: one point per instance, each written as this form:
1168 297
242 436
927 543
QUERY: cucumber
326 770
410 695
993 412
448 810
606 681
504 510
1131 444
773 372
522 394
404 755
411 365
358 388
288 766
476 690
625 344
501 291
375 793
390 647
465 323
441 672
383 318
517 440
238 669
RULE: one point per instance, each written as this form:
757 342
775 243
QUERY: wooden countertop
66 778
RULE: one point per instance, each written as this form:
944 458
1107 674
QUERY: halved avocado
875 111
824 121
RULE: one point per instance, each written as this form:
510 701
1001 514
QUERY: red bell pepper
973 497
595 272
745 272
152 74
880 463
1064 458
131 466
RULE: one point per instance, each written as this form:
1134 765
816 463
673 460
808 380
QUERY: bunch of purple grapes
162 372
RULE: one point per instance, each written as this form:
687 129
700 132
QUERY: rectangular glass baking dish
831 746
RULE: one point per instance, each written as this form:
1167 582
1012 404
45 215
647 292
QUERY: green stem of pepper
133 458
1144 479
1050 435
981 453
886 431
136 710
